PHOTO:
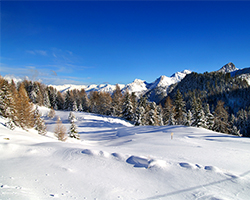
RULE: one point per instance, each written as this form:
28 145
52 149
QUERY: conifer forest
215 101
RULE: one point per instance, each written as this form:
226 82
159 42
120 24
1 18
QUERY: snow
116 160
138 86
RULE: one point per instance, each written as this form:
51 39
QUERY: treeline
15 105
217 88
215 101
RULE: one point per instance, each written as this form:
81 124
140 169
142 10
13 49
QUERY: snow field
115 160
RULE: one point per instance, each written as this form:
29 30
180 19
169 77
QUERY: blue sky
86 42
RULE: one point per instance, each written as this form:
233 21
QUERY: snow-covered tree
73 132
242 121
189 118
6 101
201 120
209 117
127 112
68 104
39 123
74 106
71 117
151 115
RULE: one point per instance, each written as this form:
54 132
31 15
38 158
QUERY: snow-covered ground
115 160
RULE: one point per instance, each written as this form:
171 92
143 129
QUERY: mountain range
138 86
155 90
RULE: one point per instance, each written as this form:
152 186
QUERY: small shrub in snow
60 130
51 113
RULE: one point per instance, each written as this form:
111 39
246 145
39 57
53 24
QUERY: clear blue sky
112 42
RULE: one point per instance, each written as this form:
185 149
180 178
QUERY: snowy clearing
116 160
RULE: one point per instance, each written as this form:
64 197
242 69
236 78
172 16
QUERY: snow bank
115 160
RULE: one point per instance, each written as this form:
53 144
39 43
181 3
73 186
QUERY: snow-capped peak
136 86
229 67
178 76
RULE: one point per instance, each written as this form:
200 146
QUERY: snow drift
115 160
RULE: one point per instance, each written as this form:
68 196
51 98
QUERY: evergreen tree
127 112
6 101
39 123
201 121
209 118
59 101
139 116
73 132
71 117
74 106
159 115
189 118
196 110
179 104
52 97
140 112
242 121
151 116
68 104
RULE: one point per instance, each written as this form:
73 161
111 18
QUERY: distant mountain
137 86
229 67
242 73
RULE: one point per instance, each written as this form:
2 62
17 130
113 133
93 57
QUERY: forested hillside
215 101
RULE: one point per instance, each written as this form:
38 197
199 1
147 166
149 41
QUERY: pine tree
201 121
68 104
242 121
209 117
74 106
139 116
71 117
6 101
127 112
140 113
189 118
73 133
196 110
151 115
179 104
59 101
52 97
60 131
159 115
39 123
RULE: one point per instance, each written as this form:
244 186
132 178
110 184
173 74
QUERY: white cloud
37 52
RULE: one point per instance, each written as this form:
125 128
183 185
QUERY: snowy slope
115 160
